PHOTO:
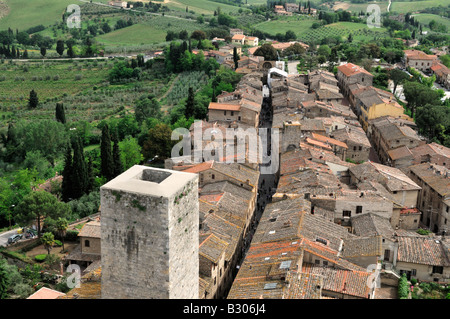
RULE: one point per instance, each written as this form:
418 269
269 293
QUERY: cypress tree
66 186
79 170
107 163
118 167
189 107
60 47
34 100
59 113
91 176
235 58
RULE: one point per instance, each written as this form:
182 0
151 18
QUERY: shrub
413 281
58 243
403 287
71 235
40 258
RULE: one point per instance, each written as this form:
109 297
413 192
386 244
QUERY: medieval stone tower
149 223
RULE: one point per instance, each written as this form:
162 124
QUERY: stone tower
150 223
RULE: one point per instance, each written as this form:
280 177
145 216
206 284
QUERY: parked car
14 238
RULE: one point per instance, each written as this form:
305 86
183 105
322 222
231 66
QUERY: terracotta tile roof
390 177
347 282
435 176
419 55
400 152
353 134
422 250
362 247
91 229
350 69
372 225
224 106
328 140
46 293
238 37
200 167
212 248
303 286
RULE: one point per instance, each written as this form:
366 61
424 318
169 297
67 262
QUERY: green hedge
40 258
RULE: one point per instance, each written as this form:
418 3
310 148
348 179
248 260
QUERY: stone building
349 74
434 198
419 60
150 235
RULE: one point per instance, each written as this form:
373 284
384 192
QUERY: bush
413 281
58 243
403 287
40 258
71 235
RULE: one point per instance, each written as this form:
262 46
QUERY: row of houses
330 219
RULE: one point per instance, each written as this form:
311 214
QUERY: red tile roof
224 106
350 69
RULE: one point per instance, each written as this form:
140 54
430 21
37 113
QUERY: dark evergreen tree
59 113
118 167
91 177
60 47
107 162
235 58
79 176
70 52
33 100
43 51
189 106
66 186
25 54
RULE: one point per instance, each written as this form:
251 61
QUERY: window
413 272
347 213
360 148
224 112
317 262
86 243
358 209
325 263
239 118
212 176
232 113
438 269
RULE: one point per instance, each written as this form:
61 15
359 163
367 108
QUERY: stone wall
150 236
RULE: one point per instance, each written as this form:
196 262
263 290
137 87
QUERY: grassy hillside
24 14
299 24
414 6
426 18
135 34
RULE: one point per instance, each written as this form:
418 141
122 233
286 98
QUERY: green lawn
200 6
24 14
414 6
133 35
298 23
425 19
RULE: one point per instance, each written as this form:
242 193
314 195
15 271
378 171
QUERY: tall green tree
107 161
66 186
33 101
60 47
38 205
60 113
418 95
190 104
235 58
118 166
79 176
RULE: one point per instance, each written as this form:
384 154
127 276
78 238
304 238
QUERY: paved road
4 237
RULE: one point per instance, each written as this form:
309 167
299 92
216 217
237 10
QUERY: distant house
419 60
442 74
291 7
251 41
89 250
238 39
119 4
350 73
